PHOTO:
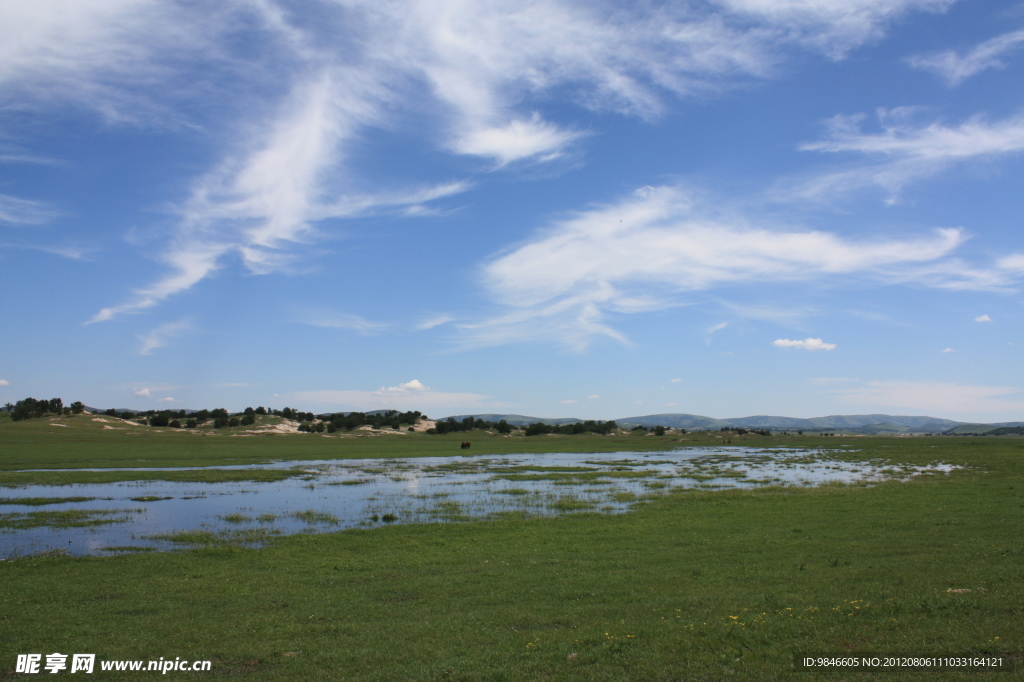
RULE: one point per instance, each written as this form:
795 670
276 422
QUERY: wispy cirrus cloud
934 397
832 26
70 251
472 79
25 211
645 251
955 68
158 337
123 59
906 151
435 321
336 320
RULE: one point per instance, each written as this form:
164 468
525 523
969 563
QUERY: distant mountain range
514 419
855 423
869 424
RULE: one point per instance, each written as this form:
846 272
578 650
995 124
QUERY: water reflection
332 495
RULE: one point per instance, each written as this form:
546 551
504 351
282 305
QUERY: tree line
589 426
449 425
30 408
309 422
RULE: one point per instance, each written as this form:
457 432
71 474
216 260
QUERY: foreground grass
692 586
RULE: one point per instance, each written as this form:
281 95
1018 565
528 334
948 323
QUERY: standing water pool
324 496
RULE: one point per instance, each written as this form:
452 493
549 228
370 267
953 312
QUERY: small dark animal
465 445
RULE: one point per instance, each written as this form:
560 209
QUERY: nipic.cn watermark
86 663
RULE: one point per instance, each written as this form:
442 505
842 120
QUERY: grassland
691 586
68 444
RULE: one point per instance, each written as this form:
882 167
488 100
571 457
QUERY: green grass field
68 444
690 586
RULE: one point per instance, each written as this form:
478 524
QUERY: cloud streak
25 212
335 320
158 338
955 68
934 397
908 151
646 251
472 79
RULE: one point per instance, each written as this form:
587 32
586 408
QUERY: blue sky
555 208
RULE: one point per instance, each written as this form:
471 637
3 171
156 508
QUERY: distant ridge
515 419
835 421
860 423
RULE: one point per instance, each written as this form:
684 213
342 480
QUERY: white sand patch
100 419
61 425
112 428
424 424
284 426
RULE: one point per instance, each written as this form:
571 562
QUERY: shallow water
338 494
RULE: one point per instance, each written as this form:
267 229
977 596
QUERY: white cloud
983 318
934 397
435 321
158 338
471 78
335 320
949 350
642 253
955 69
168 399
593 397
413 385
408 396
191 265
102 55
144 392
788 315
1013 263
4 382
676 381
520 139
70 251
25 212
805 344
832 26
262 206
909 150
670 404
569 402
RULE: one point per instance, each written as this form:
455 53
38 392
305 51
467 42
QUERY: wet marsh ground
691 584
327 496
